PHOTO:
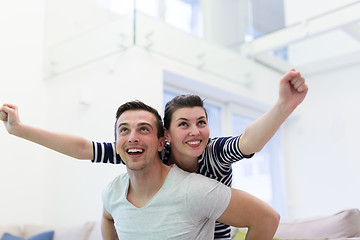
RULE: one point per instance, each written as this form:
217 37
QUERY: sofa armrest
78 232
344 238
342 225
13 229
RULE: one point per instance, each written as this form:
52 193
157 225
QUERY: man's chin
137 166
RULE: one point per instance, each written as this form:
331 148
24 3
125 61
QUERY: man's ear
161 144
116 150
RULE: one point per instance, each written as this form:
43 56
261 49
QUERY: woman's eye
202 123
183 124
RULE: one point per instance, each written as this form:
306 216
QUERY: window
214 119
150 7
121 7
253 176
185 15
262 174
265 17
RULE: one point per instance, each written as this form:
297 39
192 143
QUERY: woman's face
188 133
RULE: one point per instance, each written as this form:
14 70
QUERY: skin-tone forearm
292 92
245 210
70 145
259 132
107 227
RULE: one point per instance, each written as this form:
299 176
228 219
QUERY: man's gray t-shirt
185 207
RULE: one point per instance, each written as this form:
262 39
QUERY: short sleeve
105 153
225 149
207 198
105 197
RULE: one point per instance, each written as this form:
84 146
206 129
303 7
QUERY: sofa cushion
8 236
79 232
11 229
344 224
41 236
241 234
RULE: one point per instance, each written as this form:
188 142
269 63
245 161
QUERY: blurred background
68 65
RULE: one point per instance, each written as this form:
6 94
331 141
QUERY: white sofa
342 225
86 231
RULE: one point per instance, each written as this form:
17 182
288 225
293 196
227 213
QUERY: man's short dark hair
138 105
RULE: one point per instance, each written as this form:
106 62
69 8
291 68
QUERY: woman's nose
194 131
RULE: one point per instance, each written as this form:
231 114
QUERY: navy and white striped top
215 162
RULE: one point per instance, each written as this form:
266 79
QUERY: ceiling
328 41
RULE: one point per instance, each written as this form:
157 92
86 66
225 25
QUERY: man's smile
134 151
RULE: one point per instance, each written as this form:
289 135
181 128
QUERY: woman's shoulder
222 140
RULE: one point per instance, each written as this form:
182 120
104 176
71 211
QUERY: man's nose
133 137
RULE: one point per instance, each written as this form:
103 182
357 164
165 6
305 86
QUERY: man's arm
245 210
108 230
293 90
70 145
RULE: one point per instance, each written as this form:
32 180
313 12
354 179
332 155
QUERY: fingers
302 88
299 84
290 76
3 116
12 106
7 109
297 81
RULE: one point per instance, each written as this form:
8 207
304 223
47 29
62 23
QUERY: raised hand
293 89
10 116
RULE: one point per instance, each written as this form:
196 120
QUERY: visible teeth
193 142
133 150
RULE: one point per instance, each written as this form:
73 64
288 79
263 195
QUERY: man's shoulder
118 181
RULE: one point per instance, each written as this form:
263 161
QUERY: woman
187 134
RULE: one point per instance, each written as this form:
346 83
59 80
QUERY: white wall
21 50
36 184
320 142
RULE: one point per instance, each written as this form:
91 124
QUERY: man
156 201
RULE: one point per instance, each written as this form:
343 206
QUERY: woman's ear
167 135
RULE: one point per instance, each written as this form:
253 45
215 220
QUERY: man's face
137 142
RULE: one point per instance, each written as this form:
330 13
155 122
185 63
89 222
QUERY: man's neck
144 184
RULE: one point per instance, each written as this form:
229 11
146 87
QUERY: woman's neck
189 164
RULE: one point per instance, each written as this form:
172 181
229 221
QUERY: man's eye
144 129
122 130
